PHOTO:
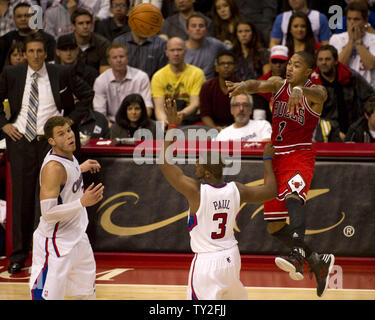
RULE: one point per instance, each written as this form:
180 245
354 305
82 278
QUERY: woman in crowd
225 15
131 116
252 57
15 54
300 36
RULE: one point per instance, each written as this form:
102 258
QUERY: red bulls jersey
292 131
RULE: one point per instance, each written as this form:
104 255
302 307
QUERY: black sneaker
293 263
321 265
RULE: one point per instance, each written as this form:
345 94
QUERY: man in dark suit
36 91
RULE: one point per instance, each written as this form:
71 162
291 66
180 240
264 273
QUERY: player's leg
81 278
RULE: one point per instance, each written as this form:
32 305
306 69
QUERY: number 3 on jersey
222 218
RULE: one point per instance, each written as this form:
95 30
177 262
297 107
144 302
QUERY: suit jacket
64 83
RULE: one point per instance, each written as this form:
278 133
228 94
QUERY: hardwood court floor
120 280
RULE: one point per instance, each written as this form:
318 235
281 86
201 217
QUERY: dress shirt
46 107
110 93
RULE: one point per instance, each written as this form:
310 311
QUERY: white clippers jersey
67 233
211 229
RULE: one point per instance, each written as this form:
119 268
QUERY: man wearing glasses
244 129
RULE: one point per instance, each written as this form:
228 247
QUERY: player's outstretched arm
53 176
269 190
251 86
90 165
189 187
316 95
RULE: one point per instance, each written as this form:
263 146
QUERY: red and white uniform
63 262
215 269
294 159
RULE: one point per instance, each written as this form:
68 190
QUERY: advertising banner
141 212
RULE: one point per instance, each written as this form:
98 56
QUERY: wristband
172 125
267 158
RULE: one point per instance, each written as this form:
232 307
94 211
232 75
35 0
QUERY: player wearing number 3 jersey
297 105
213 206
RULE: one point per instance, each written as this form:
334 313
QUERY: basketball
145 19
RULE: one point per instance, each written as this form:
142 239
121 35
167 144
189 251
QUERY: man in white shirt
243 128
356 47
113 85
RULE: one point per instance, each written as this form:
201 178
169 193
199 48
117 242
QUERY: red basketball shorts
294 172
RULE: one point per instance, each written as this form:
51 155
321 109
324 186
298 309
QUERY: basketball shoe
293 263
321 265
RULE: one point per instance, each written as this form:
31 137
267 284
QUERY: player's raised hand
295 100
173 117
235 88
90 165
92 195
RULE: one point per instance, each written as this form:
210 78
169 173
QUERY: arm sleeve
324 31
52 212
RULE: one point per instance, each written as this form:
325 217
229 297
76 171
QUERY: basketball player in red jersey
296 111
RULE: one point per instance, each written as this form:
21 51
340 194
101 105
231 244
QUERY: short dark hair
57 121
197 15
328 47
36 37
224 53
21 4
358 6
127 3
79 12
308 58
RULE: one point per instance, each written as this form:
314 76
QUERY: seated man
356 47
114 84
214 99
179 81
175 25
67 54
347 93
201 49
244 129
363 130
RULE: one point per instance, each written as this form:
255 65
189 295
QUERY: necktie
31 123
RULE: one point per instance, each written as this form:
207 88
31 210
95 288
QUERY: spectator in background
92 46
21 19
117 24
176 25
130 117
225 15
67 54
363 130
252 57
262 14
178 81
114 84
262 101
201 49
6 16
147 54
356 47
16 54
213 98
371 19
347 93
300 36
94 125
244 129
57 17
319 23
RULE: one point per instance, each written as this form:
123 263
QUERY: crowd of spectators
200 45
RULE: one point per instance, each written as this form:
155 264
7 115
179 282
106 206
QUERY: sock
284 235
297 224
